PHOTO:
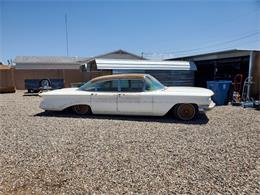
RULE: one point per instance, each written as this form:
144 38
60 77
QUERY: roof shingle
47 60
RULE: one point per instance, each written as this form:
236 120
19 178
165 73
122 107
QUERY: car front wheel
185 111
81 109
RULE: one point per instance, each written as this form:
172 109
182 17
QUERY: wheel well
174 106
71 107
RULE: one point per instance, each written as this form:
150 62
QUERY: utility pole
67 41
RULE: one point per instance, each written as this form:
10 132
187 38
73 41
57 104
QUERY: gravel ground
56 153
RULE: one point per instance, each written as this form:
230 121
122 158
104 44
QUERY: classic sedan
129 94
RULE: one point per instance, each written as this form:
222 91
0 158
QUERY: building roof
47 60
119 76
120 54
122 64
65 60
216 55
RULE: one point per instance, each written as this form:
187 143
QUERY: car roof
119 76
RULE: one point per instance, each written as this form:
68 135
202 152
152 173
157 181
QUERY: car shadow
199 120
30 94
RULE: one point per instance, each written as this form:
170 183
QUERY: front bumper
207 107
43 105
47 106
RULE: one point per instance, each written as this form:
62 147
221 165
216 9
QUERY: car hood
189 90
64 91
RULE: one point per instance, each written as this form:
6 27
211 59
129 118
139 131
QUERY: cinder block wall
90 75
7 80
69 76
72 76
20 75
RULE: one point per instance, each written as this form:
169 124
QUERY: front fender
60 103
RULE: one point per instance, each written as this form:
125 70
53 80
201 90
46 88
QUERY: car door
132 98
104 97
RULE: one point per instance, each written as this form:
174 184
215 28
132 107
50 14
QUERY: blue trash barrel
220 89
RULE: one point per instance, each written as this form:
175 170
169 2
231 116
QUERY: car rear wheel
81 109
185 111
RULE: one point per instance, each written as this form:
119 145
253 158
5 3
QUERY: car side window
131 85
107 86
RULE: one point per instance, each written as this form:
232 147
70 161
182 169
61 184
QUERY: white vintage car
129 94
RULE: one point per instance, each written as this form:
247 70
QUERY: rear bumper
207 107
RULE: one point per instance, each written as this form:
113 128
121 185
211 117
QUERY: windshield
87 86
152 84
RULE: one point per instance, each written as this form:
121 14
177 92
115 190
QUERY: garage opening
221 69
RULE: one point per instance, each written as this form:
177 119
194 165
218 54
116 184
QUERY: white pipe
250 78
